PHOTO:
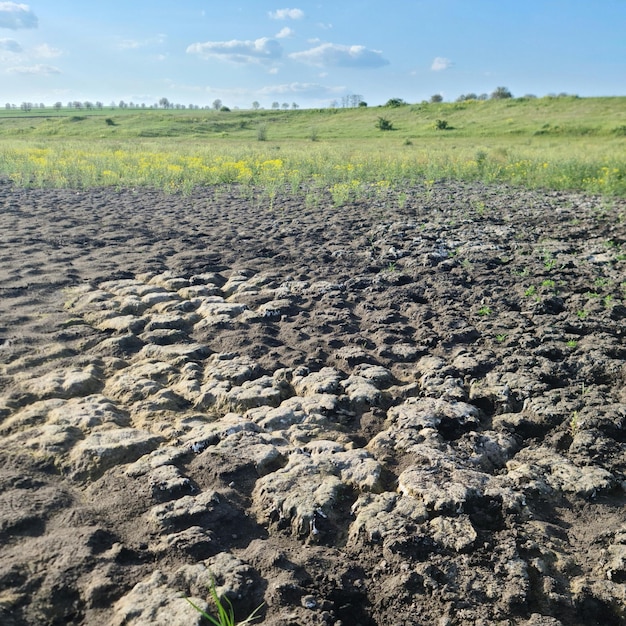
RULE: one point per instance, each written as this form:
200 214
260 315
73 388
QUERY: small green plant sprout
531 291
548 283
548 260
484 311
384 124
592 294
225 610
581 314
501 337
608 299
572 343
479 206
600 282
574 424
391 268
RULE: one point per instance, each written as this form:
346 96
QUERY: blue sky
307 52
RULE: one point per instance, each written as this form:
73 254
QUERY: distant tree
275 105
501 93
285 105
295 105
483 96
217 104
42 105
165 103
99 104
436 98
225 109
256 106
70 105
88 105
58 106
26 106
395 102
362 103
122 104
7 105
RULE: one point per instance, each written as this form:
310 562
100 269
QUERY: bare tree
165 103
275 105
256 106
217 104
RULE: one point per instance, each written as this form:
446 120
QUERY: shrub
261 132
436 98
109 122
395 102
384 124
442 125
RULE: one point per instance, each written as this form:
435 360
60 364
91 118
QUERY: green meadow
555 143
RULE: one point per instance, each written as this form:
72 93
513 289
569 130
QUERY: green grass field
566 143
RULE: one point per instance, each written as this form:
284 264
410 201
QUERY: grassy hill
563 116
556 143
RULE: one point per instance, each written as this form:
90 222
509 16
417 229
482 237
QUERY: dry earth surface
363 415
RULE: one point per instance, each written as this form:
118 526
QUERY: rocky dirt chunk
113 321
325 381
185 511
65 384
264 452
165 455
88 413
104 449
231 367
198 433
252 393
155 601
301 496
31 415
545 472
387 518
453 533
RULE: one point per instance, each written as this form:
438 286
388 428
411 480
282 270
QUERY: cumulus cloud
39 69
14 16
10 45
287 14
284 33
332 54
440 63
257 51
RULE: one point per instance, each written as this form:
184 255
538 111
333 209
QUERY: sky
311 53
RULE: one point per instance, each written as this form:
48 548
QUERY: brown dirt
509 301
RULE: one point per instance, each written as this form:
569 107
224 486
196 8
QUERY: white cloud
284 33
44 51
440 63
41 70
257 51
299 89
287 14
332 54
14 16
10 45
